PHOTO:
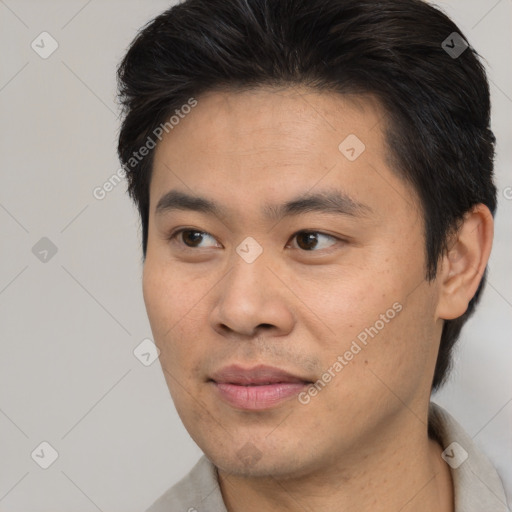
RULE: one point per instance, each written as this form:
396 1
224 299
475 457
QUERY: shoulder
476 483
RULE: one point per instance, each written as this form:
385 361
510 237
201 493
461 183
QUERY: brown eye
190 237
309 240
306 240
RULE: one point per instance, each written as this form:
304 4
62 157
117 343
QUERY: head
252 104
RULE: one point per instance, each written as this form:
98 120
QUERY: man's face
334 296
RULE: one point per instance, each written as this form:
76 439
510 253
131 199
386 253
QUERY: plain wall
69 325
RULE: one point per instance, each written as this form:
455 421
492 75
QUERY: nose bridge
248 297
249 271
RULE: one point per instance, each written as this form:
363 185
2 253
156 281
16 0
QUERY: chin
252 462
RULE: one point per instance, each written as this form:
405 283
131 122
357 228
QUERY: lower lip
258 397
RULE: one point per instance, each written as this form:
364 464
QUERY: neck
401 470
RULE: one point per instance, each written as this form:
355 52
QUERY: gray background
69 325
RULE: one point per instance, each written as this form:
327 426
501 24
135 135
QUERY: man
314 180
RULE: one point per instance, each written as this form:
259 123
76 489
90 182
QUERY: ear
463 265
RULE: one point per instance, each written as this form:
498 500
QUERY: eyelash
175 234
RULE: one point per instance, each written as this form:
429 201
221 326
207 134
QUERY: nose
251 298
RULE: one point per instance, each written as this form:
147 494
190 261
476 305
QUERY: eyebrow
324 201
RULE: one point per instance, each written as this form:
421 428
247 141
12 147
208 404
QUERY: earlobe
463 265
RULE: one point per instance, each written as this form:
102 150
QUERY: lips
256 388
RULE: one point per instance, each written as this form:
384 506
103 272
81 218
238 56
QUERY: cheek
168 304
379 313
170 295
343 301
398 347
177 307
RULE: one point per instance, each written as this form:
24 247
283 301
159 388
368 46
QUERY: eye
191 237
308 240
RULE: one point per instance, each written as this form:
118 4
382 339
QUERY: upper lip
261 374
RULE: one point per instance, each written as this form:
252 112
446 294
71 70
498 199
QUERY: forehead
298 117
266 142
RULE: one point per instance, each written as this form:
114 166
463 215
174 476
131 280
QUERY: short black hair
406 53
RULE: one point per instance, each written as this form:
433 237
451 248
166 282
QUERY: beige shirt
477 486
